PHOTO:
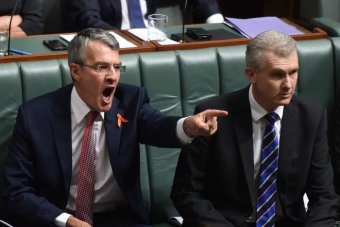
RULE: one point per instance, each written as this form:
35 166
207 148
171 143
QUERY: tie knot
271 118
90 116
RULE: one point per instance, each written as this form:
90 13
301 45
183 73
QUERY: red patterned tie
86 176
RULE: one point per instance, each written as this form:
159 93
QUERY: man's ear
75 71
250 75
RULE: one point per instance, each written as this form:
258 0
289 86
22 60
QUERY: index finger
215 113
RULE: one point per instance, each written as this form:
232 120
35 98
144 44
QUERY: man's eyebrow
101 63
277 70
106 63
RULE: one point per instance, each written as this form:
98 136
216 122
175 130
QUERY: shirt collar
79 107
257 111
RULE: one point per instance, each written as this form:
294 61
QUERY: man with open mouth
74 159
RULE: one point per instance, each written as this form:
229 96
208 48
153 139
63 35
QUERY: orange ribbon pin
121 119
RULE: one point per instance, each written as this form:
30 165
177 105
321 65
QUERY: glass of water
157 24
3 41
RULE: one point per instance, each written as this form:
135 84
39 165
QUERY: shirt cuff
215 18
182 136
61 220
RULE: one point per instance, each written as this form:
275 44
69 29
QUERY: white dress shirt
215 18
108 194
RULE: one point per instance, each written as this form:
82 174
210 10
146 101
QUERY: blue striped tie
266 194
135 14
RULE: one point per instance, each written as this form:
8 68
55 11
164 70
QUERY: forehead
97 51
273 61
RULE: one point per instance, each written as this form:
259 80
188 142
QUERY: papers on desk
67 37
250 28
142 33
123 43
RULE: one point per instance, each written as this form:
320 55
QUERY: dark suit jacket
38 171
31 13
107 14
214 183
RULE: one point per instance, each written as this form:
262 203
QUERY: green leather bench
331 26
176 81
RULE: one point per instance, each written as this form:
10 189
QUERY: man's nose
111 76
287 83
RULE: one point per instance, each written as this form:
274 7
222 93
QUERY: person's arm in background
207 11
4 21
90 13
16 31
27 19
6 10
32 19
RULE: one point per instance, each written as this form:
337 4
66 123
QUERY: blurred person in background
27 19
114 14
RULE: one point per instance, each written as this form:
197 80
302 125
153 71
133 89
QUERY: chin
284 102
105 108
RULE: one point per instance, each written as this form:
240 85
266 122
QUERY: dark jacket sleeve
93 14
188 191
202 9
32 18
21 197
323 202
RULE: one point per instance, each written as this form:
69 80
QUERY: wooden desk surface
308 35
34 45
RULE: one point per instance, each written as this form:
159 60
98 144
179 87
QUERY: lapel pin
121 120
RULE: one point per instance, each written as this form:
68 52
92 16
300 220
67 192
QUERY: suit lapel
243 131
288 141
61 126
113 131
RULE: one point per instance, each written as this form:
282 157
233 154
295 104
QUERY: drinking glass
3 41
157 24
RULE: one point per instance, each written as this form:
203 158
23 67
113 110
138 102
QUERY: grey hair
78 45
275 42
